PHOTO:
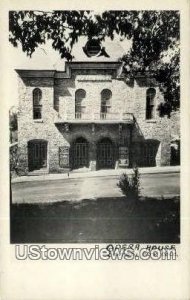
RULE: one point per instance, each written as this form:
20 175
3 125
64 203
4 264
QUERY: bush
15 168
130 185
14 158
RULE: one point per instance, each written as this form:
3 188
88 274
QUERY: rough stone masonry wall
125 98
157 129
65 92
45 129
175 124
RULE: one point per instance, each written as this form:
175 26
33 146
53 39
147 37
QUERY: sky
18 60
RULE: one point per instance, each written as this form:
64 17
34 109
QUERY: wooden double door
105 154
80 153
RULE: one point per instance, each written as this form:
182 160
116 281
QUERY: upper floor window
79 103
37 105
106 101
150 103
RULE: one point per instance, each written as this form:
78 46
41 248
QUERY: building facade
89 116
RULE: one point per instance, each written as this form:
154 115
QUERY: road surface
152 185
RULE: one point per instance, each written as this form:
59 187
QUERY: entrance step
38 172
81 170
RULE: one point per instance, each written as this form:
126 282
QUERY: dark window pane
37 107
150 103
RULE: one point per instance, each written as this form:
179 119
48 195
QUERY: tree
154 34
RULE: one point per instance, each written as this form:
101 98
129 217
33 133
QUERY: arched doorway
105 154
80 153
37 155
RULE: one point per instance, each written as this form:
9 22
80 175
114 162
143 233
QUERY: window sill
151 121
38 120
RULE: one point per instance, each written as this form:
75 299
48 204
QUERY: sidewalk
99 173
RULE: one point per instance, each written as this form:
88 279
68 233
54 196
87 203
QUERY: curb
45 178
157 197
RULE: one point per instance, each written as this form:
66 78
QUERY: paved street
74 189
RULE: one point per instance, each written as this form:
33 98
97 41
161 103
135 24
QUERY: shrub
15 168
130 185
14 158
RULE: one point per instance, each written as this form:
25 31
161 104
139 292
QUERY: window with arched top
150 103
80 95
37 104
106 96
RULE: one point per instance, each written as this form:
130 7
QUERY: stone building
88 115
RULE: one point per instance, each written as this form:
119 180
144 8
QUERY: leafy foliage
154 35
13 125
130 185
14 159
13 121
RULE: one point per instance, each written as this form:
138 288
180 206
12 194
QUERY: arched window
150 103
37 105
105 102
79 104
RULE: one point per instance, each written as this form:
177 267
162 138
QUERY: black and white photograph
94 126
94 150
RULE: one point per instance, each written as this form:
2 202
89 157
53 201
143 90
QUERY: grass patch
105 220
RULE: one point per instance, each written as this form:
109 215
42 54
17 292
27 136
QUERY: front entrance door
105 154
80 153
37 155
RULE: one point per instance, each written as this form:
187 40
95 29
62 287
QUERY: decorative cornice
35 73
69 66
81 65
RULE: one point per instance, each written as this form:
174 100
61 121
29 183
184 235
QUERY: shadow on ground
104 220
